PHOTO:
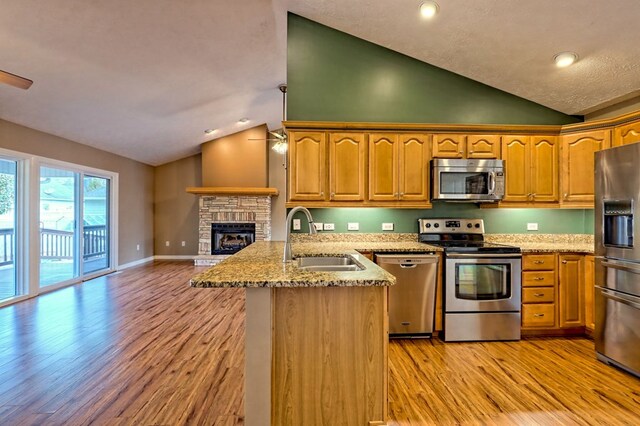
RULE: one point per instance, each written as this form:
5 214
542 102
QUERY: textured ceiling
144 78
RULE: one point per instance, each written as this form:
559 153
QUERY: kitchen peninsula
316 342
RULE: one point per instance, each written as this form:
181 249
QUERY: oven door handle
484 255
627 301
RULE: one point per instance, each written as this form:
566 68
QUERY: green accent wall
496 221
333 76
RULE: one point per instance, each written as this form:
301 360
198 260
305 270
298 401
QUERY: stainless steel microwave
473 181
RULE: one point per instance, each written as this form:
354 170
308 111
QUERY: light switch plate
353 226
296 224
387 226
532 226
329 226
318 226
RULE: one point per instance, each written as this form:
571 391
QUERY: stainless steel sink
329 263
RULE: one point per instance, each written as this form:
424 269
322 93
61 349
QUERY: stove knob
469 225
428 225
437 225
477 225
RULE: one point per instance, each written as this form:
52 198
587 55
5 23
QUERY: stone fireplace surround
230 209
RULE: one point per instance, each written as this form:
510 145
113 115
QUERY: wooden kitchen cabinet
531 169
347 174
571 290
398 167
307 166
577 166
466 146
449 146
589 292
626 134
383 167
539 288
483 146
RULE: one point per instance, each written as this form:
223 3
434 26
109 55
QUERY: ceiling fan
15 80
279 136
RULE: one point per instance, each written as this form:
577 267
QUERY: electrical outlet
387 226
166 243
329 227
137 247
184 243
318 226
532 226
353 226
296 224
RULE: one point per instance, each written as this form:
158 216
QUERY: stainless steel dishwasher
412 300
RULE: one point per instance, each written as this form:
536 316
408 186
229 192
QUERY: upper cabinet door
383 166
578 165
544 168
347 173
483 146
414 167
629 133
516 156
307 166
449 146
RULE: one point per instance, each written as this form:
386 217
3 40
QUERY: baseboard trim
135 263
174 257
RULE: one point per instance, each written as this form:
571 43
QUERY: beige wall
136 182
278 179
236 160
176 211
630 105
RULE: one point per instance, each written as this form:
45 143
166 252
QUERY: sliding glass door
95 222
74 225
8 258
58 226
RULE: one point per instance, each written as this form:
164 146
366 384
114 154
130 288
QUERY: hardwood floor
544 381
141 347
137 347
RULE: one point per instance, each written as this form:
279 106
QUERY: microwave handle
492 183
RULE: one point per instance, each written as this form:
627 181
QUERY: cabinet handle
460 152
539 294
564 261
333 194
533 195
402 194
396 194
538 262
566 195
539 278
322 194
538 315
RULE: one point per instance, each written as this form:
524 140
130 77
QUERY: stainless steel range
482 281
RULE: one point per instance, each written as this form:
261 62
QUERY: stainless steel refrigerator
617 237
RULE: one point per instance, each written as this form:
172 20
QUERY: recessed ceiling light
243 120
428 9
565 59
209 131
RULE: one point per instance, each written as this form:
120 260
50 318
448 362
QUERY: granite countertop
563 247
260 265
373 246
546 243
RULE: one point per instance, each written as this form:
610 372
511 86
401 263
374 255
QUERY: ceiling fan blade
278 135
15 80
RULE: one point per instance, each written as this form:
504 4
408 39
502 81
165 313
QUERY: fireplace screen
229 238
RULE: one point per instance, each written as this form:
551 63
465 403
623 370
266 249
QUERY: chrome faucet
287 244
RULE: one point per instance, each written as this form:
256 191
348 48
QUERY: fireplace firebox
229 238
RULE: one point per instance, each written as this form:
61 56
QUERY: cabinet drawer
538 262
538 295
538 279
539 315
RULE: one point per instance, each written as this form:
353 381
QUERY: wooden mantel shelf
231 190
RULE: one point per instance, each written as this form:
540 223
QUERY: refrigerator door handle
626 268
625 300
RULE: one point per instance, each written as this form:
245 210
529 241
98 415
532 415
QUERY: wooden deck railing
56 244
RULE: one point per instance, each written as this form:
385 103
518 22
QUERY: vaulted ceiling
145 78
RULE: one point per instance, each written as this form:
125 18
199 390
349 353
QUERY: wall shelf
230 191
